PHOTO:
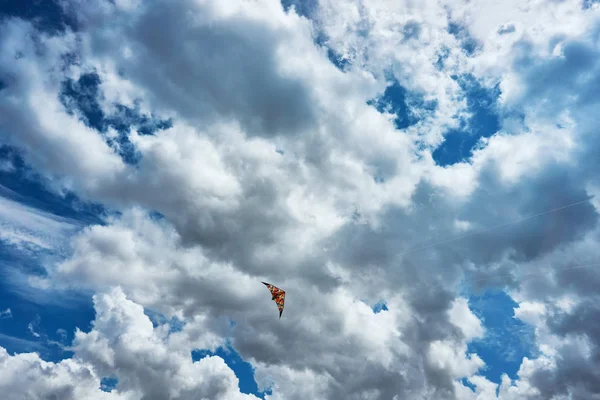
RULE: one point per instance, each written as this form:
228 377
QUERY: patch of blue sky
379 307
108 383
304 8
507 339
468 384
156 216
41 327
467 43
22 184
126 117
307 8
45 15
20 258
158 319
82 96
242 369
484 121
341 63
399 101
443 53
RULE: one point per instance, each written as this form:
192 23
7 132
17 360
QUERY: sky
419 177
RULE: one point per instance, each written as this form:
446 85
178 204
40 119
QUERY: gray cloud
205 64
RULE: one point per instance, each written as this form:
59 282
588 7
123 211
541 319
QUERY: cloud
29 228
32 330
28 376
123 342
229 61
32 240
22 344
147 259
277 168
232 159
33 114
6 314
462 317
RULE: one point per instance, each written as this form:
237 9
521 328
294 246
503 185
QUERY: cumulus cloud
212 61
147 362
276 167
147 259
27 376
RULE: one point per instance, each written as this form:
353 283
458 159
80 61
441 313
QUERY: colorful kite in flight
278 296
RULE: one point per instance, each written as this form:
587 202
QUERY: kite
278 296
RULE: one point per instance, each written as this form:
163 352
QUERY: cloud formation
277 166
148 362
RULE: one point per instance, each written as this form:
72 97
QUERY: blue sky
141 180
22 185
507 339
483 122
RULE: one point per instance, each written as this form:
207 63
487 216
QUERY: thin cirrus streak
525 275
494 227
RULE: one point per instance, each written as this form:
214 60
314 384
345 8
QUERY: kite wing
278 296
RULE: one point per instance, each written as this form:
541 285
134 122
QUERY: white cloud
31 330
464 319
26 376
445 355
124 342
531 313
32 115
147 362
6 313
406 39
146 259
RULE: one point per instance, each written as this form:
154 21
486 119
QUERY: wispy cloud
31 229
6 314
33 326
32 331
6 166
20 344
32 240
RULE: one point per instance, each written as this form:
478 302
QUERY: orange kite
278 296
